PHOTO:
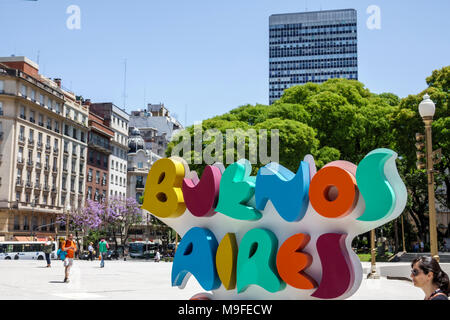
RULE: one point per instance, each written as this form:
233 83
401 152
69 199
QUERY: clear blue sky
209 56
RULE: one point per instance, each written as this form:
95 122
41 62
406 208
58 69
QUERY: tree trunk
396 236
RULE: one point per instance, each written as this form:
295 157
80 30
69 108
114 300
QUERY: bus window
3 248
17 248
9 248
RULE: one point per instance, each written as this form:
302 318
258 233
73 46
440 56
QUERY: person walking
157 256
70 247
91 251
48 248
427 274
103 247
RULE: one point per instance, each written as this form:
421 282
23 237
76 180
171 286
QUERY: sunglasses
415 272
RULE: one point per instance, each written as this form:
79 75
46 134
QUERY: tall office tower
311 47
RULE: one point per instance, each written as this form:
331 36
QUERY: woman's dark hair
428 264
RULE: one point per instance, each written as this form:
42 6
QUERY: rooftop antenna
125 86
38 56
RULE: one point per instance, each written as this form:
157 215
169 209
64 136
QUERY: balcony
30 163
21 139
31 142
41 124
20 162
65 169
19 183
28 185
55 170
66 151
55 150
53 189
100 145
81 172
46 167
46 188
74 154
48 148
37 186
140 185
22 116
49 127
32 120
38 166
39 144
74 173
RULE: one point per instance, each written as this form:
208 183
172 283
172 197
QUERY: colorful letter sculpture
283 235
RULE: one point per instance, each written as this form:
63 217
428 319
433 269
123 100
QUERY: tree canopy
342 119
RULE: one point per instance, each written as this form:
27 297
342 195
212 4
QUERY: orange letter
320 195
291 261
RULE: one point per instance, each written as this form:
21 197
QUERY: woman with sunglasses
427 274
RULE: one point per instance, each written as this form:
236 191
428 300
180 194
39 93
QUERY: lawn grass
366 257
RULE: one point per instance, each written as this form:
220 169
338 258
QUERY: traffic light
420 145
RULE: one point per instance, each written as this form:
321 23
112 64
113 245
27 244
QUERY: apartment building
117 120
74 153
99 150
156 126
31 121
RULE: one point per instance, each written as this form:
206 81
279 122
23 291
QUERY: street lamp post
373 268
426 110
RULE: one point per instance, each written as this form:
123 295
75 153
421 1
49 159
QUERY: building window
2 86
97 176
32 119
49 104
25 223
23 90
41 99
22 112
16 222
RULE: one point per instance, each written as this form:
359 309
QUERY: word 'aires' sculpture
279 235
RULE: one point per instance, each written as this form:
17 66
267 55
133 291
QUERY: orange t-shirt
70 251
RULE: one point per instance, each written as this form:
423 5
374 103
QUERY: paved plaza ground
136 280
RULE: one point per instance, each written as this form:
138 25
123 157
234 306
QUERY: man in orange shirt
70 247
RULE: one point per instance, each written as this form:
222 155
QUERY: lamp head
427 107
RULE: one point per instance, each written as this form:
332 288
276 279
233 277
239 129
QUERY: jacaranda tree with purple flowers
119 215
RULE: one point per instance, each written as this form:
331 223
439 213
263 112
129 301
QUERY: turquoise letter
196 254
256 262
376 190
236 189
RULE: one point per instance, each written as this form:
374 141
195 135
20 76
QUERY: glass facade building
311 47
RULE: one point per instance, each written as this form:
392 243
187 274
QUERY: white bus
25 250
